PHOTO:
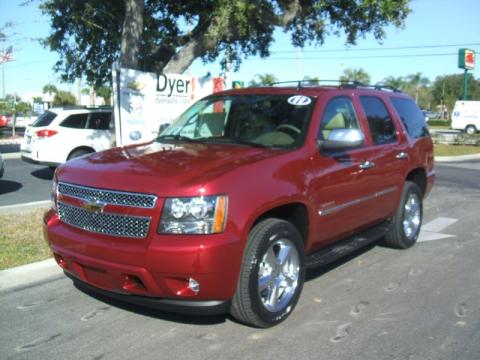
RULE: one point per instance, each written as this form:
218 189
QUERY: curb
7 209
30 274
457 158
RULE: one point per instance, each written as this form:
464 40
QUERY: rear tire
272 274
77 153
407 220
471 129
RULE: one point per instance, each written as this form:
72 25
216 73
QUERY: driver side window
339 114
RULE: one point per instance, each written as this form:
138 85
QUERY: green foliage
449 88
105 92
87 34
64 98
49 89
263 80
358 75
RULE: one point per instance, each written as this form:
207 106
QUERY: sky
428 44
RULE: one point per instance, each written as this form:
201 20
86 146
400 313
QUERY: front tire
408 218
470 129
272 274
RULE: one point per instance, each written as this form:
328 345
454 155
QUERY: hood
160 168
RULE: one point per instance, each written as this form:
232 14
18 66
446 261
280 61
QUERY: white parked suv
61 134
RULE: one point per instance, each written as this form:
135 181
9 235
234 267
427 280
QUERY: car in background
61 134
466 116
21 120
2 166
3 121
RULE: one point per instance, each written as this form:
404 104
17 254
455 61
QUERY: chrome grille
104 223
108 196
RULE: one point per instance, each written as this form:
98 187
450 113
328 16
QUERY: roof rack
83 107
344 84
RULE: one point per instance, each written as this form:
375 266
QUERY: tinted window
77 121
379 120
99 121
411 116
339 114
45 119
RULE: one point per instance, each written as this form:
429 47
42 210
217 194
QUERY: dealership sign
466 59
143 101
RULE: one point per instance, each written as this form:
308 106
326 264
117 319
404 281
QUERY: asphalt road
421 303
24 182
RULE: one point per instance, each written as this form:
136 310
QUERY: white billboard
143 101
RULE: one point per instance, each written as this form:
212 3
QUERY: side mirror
343 139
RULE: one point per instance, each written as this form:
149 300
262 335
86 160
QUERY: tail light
45 133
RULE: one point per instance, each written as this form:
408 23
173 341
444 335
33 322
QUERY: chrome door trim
340 207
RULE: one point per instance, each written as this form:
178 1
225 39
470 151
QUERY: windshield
256 120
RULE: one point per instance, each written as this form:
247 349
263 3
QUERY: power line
378 48
359 57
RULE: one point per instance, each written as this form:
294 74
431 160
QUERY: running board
343 247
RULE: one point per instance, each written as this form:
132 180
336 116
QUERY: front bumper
153 272
191 307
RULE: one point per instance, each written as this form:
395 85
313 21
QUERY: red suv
247 189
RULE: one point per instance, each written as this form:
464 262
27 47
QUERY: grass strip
21 239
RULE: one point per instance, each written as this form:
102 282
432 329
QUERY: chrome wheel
278 275
412 217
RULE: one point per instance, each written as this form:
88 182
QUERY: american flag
7 55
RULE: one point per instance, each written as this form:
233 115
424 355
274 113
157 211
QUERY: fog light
193 285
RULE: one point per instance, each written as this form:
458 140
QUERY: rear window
45 119
411 116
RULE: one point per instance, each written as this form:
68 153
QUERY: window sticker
299 100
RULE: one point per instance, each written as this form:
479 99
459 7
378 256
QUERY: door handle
367 165
402 156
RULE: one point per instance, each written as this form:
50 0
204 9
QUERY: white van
466 116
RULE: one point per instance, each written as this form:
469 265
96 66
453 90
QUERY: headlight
195 215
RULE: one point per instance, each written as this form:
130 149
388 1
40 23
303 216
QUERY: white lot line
431 230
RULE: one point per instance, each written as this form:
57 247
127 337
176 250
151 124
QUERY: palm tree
359 75
416 82
394 82
262 80
50 90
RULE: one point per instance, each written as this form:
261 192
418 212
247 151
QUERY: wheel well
418 176
86 148
295 213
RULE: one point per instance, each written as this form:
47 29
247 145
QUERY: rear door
99 130
388 157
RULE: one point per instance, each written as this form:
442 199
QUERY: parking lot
379 303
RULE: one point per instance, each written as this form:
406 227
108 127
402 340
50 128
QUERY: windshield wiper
239 141
177 138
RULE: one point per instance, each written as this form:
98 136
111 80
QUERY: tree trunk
131 33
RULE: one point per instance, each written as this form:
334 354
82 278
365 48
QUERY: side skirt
344 247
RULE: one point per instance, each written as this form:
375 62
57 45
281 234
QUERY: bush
439 123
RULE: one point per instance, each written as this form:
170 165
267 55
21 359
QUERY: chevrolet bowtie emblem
93 206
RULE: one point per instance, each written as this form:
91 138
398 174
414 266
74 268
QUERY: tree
91 35
263 80
64 98
394 82
449 88
416 83
358 75
105 92
311 80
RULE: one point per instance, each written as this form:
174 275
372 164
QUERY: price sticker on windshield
299 100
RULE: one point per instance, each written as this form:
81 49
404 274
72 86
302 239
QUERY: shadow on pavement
44 173
153 313
7 186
